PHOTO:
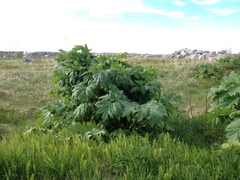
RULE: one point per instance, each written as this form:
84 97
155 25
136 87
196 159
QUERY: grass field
192 151
24 89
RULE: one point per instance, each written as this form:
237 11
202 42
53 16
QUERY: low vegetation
119 118
109 94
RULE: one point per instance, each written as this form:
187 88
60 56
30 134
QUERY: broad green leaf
231 104
233 146
101 104
116 67
233 77
109 109
218 113
234 90
142 113
82 110
110 112
233 130
135 89
153 111
235 114
104 111
117 109
156 114
129 109
89 92
80 91
101 76
171 96
213 91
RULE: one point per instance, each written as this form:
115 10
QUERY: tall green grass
134 157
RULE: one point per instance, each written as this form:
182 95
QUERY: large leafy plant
225 107
214 72
207 72
108 92
229 63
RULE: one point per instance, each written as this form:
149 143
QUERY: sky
133 26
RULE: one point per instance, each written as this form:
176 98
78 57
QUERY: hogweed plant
108 94
225 108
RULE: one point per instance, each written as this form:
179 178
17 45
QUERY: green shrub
214 72
207 72
225 107
114 95
229 63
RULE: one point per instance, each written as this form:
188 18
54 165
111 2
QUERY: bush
107 92
225 108
207 72
229 63
215 72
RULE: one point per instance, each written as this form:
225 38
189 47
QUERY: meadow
191 151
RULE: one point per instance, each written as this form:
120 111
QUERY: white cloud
205 2
178 3
210 16
110 8
232 21
195 18
44 25
175 14
223 12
